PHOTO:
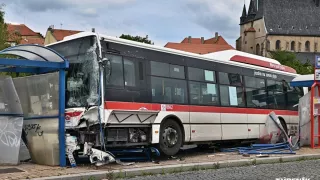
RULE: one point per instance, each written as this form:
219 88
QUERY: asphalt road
291 170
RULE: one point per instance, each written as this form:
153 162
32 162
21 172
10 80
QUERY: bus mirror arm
295 105
105 61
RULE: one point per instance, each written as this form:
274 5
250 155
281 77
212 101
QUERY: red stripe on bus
191 108
258 62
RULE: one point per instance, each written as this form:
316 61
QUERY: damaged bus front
90 125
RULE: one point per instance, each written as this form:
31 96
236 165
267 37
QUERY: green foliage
136 38
3 29
290 59
4 36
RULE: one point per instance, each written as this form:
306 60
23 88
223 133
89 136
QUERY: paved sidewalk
207 159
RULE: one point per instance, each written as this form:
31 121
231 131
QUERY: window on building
278 45
255 92
231 90
165 90
276 96
315 47
258 49
307 46
293 46
299 47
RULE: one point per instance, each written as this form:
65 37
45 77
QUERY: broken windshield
83 73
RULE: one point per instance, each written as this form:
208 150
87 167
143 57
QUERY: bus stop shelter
42 98
309 110
303 81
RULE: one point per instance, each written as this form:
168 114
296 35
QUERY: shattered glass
83 73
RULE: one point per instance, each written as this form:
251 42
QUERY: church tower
244 14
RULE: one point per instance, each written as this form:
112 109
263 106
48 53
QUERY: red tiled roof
22 29
39 41
59 34
213 40
198 48
193 40
251 29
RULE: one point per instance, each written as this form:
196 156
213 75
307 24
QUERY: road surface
291 170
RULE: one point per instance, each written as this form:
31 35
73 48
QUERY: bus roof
220 57
228 54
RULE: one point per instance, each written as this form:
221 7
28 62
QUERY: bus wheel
170 138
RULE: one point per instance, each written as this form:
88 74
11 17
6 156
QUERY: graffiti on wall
10 131
36 128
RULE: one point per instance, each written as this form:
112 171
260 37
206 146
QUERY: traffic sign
317 62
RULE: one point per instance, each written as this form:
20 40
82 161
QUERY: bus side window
115 77
256 92
231 89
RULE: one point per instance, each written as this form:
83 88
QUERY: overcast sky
162 20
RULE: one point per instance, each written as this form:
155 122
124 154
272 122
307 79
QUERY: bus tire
170 138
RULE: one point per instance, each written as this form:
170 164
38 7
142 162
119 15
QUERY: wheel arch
177 119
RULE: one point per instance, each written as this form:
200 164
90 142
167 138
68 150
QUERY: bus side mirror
105 61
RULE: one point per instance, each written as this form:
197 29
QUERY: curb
181 168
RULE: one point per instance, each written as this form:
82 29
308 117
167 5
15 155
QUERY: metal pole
62 144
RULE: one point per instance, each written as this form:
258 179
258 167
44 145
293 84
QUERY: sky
162 20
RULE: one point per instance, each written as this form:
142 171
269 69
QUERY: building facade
54 35
22 34
291 25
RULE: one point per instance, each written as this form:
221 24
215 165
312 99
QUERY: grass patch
216 166
254 162
280 160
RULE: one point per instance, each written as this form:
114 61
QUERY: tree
136 38
3 29
290 59
4 36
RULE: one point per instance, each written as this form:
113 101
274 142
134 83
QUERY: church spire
244 14
244 11
252 9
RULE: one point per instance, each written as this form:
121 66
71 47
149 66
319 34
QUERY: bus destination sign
263 74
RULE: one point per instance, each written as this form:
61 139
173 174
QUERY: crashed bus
134 94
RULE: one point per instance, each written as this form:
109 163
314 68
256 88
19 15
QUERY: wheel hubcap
170 137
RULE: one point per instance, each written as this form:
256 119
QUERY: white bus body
159 96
